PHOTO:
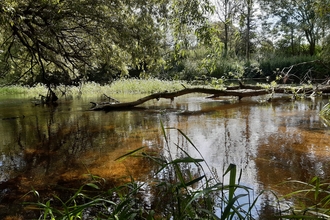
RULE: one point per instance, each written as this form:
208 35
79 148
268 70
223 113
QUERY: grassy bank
124 86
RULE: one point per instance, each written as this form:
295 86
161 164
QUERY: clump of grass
23 90
127 86
325 112
312 200
130 86
143 86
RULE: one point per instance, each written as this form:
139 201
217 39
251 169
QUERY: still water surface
43 146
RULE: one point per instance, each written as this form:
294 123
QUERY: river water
42 147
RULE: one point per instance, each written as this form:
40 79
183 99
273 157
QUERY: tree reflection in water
54 147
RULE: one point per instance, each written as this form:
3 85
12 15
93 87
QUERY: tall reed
311 199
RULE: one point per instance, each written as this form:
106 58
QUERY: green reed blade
129 153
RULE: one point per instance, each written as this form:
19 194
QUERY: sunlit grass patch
120 86
139 86
23 90
144 86
127 86
123 86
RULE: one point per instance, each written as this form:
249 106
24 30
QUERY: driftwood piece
240 91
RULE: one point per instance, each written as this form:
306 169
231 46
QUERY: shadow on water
51 148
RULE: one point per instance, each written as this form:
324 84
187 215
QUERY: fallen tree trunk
240 92
171 95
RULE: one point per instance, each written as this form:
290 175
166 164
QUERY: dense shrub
270 67
228 68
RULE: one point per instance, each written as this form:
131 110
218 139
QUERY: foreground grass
178 191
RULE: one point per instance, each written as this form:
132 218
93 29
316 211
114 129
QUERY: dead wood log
171 95
240 92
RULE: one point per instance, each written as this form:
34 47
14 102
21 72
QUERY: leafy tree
40 36
248 17
237 22
322 7
49 37
226 12
297 16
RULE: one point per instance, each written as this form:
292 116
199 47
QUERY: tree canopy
298 18
47 36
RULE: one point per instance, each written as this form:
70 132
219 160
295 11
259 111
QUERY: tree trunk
248 29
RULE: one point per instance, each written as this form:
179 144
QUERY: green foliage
325 54
55 42
81 206
40 36
273 65
123 86
296 21
227 68
325 112
141 86
322 7
313 199
102 74
24 90
200 64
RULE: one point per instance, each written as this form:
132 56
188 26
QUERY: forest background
68 42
